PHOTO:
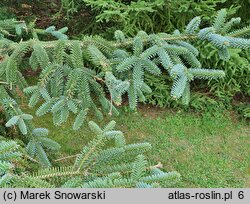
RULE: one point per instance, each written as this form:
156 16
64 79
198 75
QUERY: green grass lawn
207 150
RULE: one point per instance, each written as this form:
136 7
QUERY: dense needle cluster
94 75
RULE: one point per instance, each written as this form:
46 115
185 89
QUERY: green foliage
236 71
10 27
96 166
59 34
243 109
37 137
70 6
5 11
130 16
150 16
76 75
199 102
236 67
8 154
215 53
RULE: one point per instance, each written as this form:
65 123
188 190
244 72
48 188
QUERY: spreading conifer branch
76 74
90 169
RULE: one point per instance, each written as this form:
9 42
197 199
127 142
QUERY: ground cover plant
78 79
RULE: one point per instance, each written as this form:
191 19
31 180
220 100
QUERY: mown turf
209 150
